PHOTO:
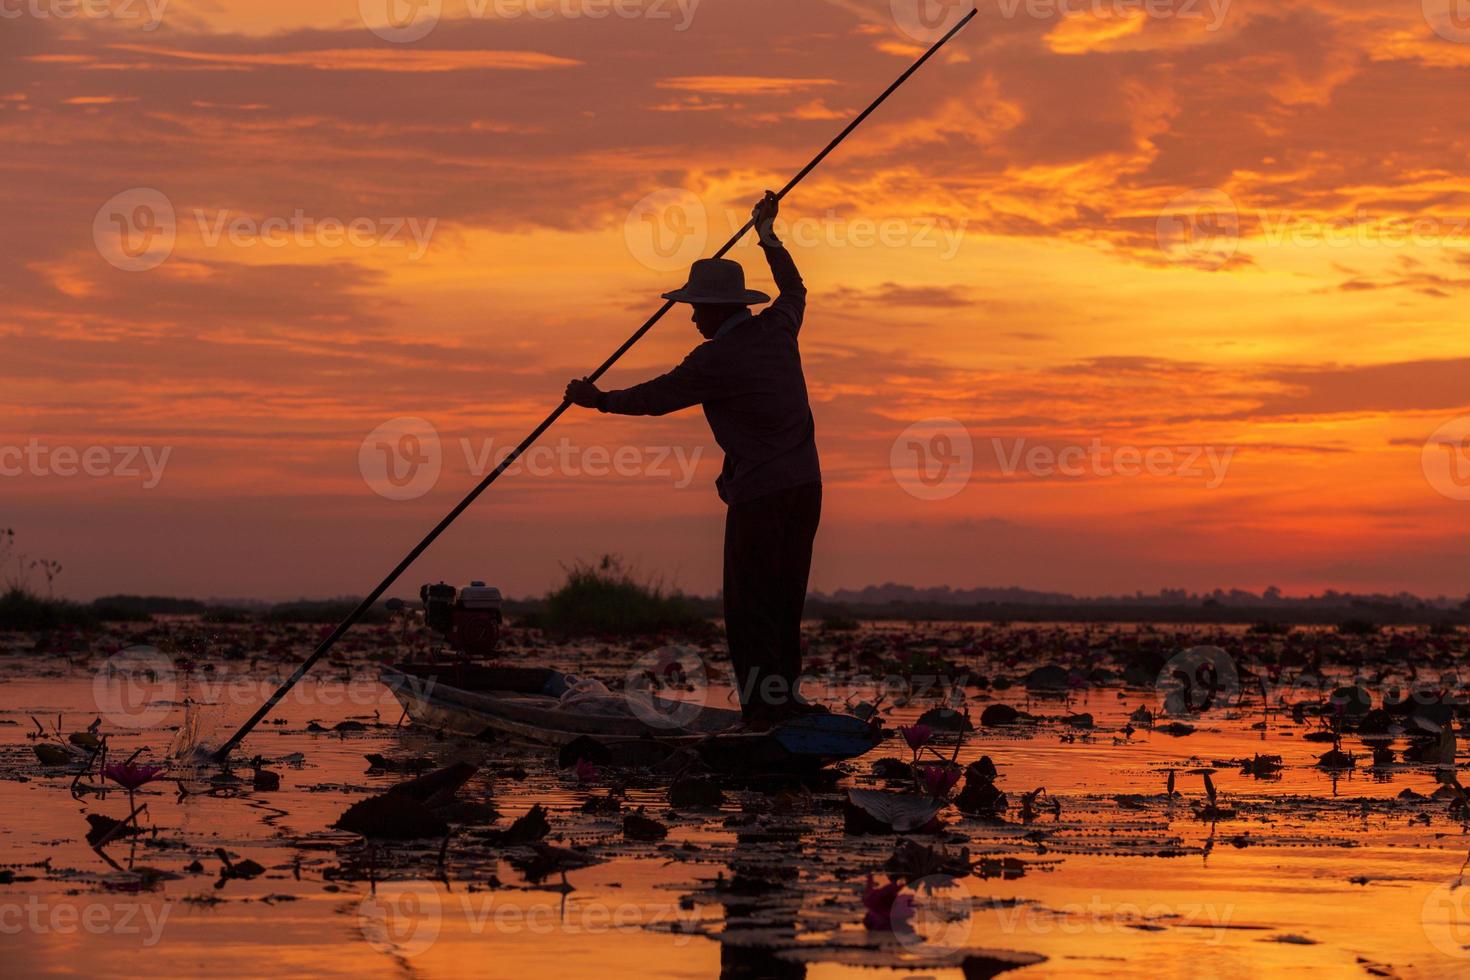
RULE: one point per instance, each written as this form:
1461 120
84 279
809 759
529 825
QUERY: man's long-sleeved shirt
749 380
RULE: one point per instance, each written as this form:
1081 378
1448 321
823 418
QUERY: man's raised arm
790 305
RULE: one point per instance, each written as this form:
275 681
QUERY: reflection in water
1292 864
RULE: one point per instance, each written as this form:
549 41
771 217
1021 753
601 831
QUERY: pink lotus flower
130 776
888 908
917 736
939 780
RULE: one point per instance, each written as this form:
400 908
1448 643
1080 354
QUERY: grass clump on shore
608 599
21 607
22 610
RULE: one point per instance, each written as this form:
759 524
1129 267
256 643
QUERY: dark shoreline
1353 616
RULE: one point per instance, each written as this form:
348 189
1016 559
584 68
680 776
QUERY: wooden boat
526 702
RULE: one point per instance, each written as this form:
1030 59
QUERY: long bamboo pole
367 603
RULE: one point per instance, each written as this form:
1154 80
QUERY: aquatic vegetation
775 868
887 906
938 779
131 776
916 736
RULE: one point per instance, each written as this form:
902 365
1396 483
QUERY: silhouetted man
747 375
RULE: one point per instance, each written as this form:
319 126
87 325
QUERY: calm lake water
1312 873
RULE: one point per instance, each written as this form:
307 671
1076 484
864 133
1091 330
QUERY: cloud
894 294
368 59
742 84
1059 143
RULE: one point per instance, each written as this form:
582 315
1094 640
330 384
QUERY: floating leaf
898 812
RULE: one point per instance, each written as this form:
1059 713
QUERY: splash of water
198 736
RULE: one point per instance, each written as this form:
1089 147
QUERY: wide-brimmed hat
717 281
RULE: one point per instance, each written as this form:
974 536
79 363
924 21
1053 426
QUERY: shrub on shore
21 610
21 607
608 599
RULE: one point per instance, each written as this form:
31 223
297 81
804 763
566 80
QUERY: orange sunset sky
1242 226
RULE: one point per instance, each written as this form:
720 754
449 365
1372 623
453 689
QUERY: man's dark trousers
768 558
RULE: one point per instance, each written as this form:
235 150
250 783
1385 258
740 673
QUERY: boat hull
807 741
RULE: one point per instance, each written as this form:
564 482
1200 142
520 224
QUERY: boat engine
469 619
